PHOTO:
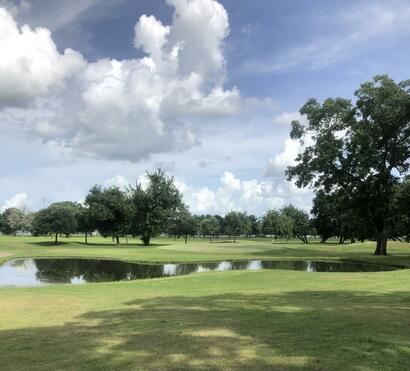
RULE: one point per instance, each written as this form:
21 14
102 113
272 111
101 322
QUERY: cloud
250 28
117 181
15 8
285 118
357 27
30 64
277 165
126 109
254 196
19 201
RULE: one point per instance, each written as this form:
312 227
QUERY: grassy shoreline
259 320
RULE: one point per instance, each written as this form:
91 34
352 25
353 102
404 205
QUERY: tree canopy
361 149
155 205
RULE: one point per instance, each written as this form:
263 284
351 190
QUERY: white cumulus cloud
125 109
117 181
19 201
254 196
278 164
30 64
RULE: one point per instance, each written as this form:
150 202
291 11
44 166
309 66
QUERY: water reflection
36 272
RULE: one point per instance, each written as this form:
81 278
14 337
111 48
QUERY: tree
301 225
362 149
155 205
236 223
183 224
254 225
58 218
276 223
109 211
85 221
401 210
270 223
210 227
326 216
12 221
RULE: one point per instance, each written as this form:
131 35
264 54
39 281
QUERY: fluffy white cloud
19 201
278 164
117 181
126 109
30 64
254 196
285 118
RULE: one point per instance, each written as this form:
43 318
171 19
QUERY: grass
270 319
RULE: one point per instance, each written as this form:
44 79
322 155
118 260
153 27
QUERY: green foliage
58 218
255 227
12 220
210 226
300 224
155 205
85 221
109 210
182 224
401 207
362 149
236 224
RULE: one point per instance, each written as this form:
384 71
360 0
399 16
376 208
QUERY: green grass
270 319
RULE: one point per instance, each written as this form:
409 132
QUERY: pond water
37 272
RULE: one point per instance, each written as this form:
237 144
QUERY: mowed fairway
270 319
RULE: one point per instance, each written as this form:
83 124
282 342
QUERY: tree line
157 209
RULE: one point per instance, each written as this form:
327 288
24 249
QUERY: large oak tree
360 148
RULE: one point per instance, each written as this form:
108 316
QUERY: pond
38 272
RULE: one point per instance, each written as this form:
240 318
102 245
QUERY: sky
101 91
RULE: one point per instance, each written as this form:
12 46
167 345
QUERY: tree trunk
381 246
210 238
186 239
301 238
56 239
352 240
126 239
323 240
145 239
86 240
117 238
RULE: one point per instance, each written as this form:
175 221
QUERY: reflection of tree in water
55 270
22 265
64 270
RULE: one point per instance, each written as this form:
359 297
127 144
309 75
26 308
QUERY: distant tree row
148 212
158 209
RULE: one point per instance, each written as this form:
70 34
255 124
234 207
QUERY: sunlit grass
269 319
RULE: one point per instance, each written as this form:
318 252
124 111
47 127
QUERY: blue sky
204 89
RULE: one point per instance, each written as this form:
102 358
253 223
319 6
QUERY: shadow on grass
50 243
297 330
94 244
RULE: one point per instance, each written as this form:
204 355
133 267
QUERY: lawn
269 319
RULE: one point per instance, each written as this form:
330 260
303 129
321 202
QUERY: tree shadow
95 244
306 330
50 243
